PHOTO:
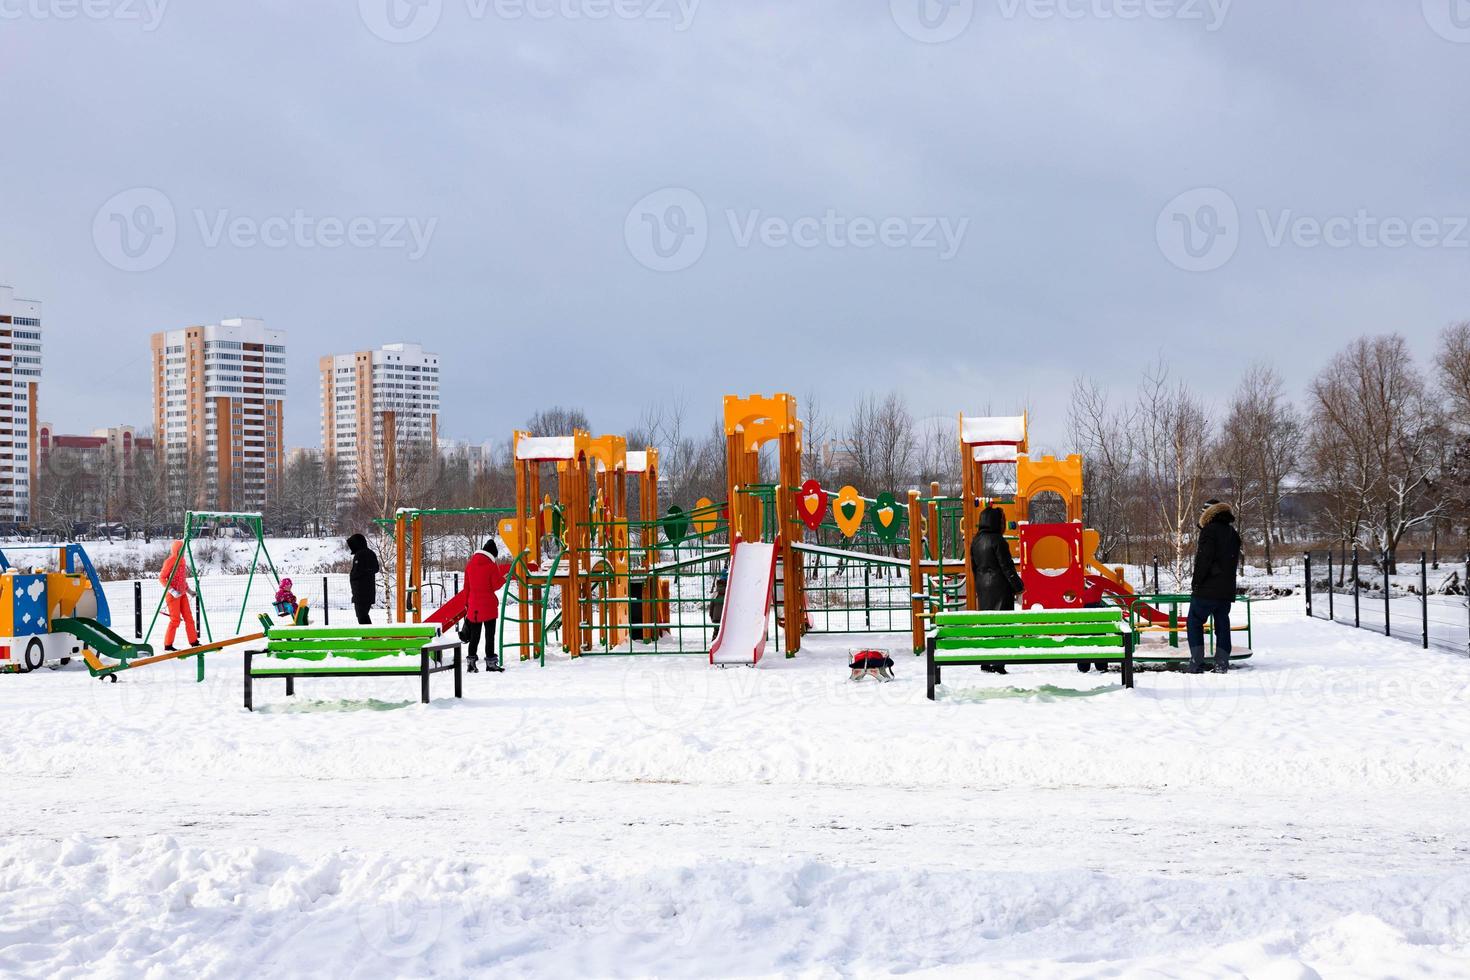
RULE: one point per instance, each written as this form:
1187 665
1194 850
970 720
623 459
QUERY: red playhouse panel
1052 565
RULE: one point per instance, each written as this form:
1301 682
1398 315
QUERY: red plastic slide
450 613
1106 586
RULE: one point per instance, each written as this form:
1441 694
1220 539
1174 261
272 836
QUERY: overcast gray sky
969 200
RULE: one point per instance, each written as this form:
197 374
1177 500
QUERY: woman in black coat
996 581
363 577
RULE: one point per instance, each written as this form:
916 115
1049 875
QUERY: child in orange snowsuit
174 576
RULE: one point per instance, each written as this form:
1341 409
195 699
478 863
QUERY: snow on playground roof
995 429
533 448
996 454
637 461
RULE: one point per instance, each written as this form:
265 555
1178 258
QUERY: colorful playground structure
781 557
597 568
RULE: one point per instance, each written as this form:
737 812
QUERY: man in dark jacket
363 578
996 581
1212 589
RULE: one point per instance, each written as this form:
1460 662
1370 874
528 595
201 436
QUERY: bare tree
558 420
1174 435
1259 450
1376 442
1453 364
816 437
146 497
1104 435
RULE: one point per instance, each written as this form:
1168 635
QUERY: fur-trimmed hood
1215 510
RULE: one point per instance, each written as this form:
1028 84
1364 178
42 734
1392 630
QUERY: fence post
1387 603
1424 594
1331 590
138 610
1307 572
456 585
1156 575
1357 593
326 604
867 598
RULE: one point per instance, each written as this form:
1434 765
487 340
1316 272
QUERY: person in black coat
1212 589
996 581
363 578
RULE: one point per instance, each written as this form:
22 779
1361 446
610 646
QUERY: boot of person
1196 663
1222 663
473 665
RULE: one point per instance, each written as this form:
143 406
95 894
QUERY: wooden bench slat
326 671
1013 656
1022 629
409 644
1027 616
353 632
1027 642
343 654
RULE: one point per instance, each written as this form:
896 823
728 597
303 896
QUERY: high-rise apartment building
375 403
219 395
20 377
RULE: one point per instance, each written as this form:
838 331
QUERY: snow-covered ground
654 816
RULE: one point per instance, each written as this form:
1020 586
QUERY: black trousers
363 607
472 638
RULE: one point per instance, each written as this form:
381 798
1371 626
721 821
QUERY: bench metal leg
1128 662
424 678
249 656
458 672
290 687
931 668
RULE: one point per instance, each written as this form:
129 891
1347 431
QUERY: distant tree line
1376 454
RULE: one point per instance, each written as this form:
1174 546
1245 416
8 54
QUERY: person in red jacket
484 577
174 577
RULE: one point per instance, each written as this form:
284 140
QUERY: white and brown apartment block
20 376
219 395
376 403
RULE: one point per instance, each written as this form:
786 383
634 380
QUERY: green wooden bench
409 650
1051 636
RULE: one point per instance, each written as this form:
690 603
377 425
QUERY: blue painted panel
30 605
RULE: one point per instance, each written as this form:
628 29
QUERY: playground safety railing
672 567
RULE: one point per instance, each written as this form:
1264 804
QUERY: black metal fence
1419 600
